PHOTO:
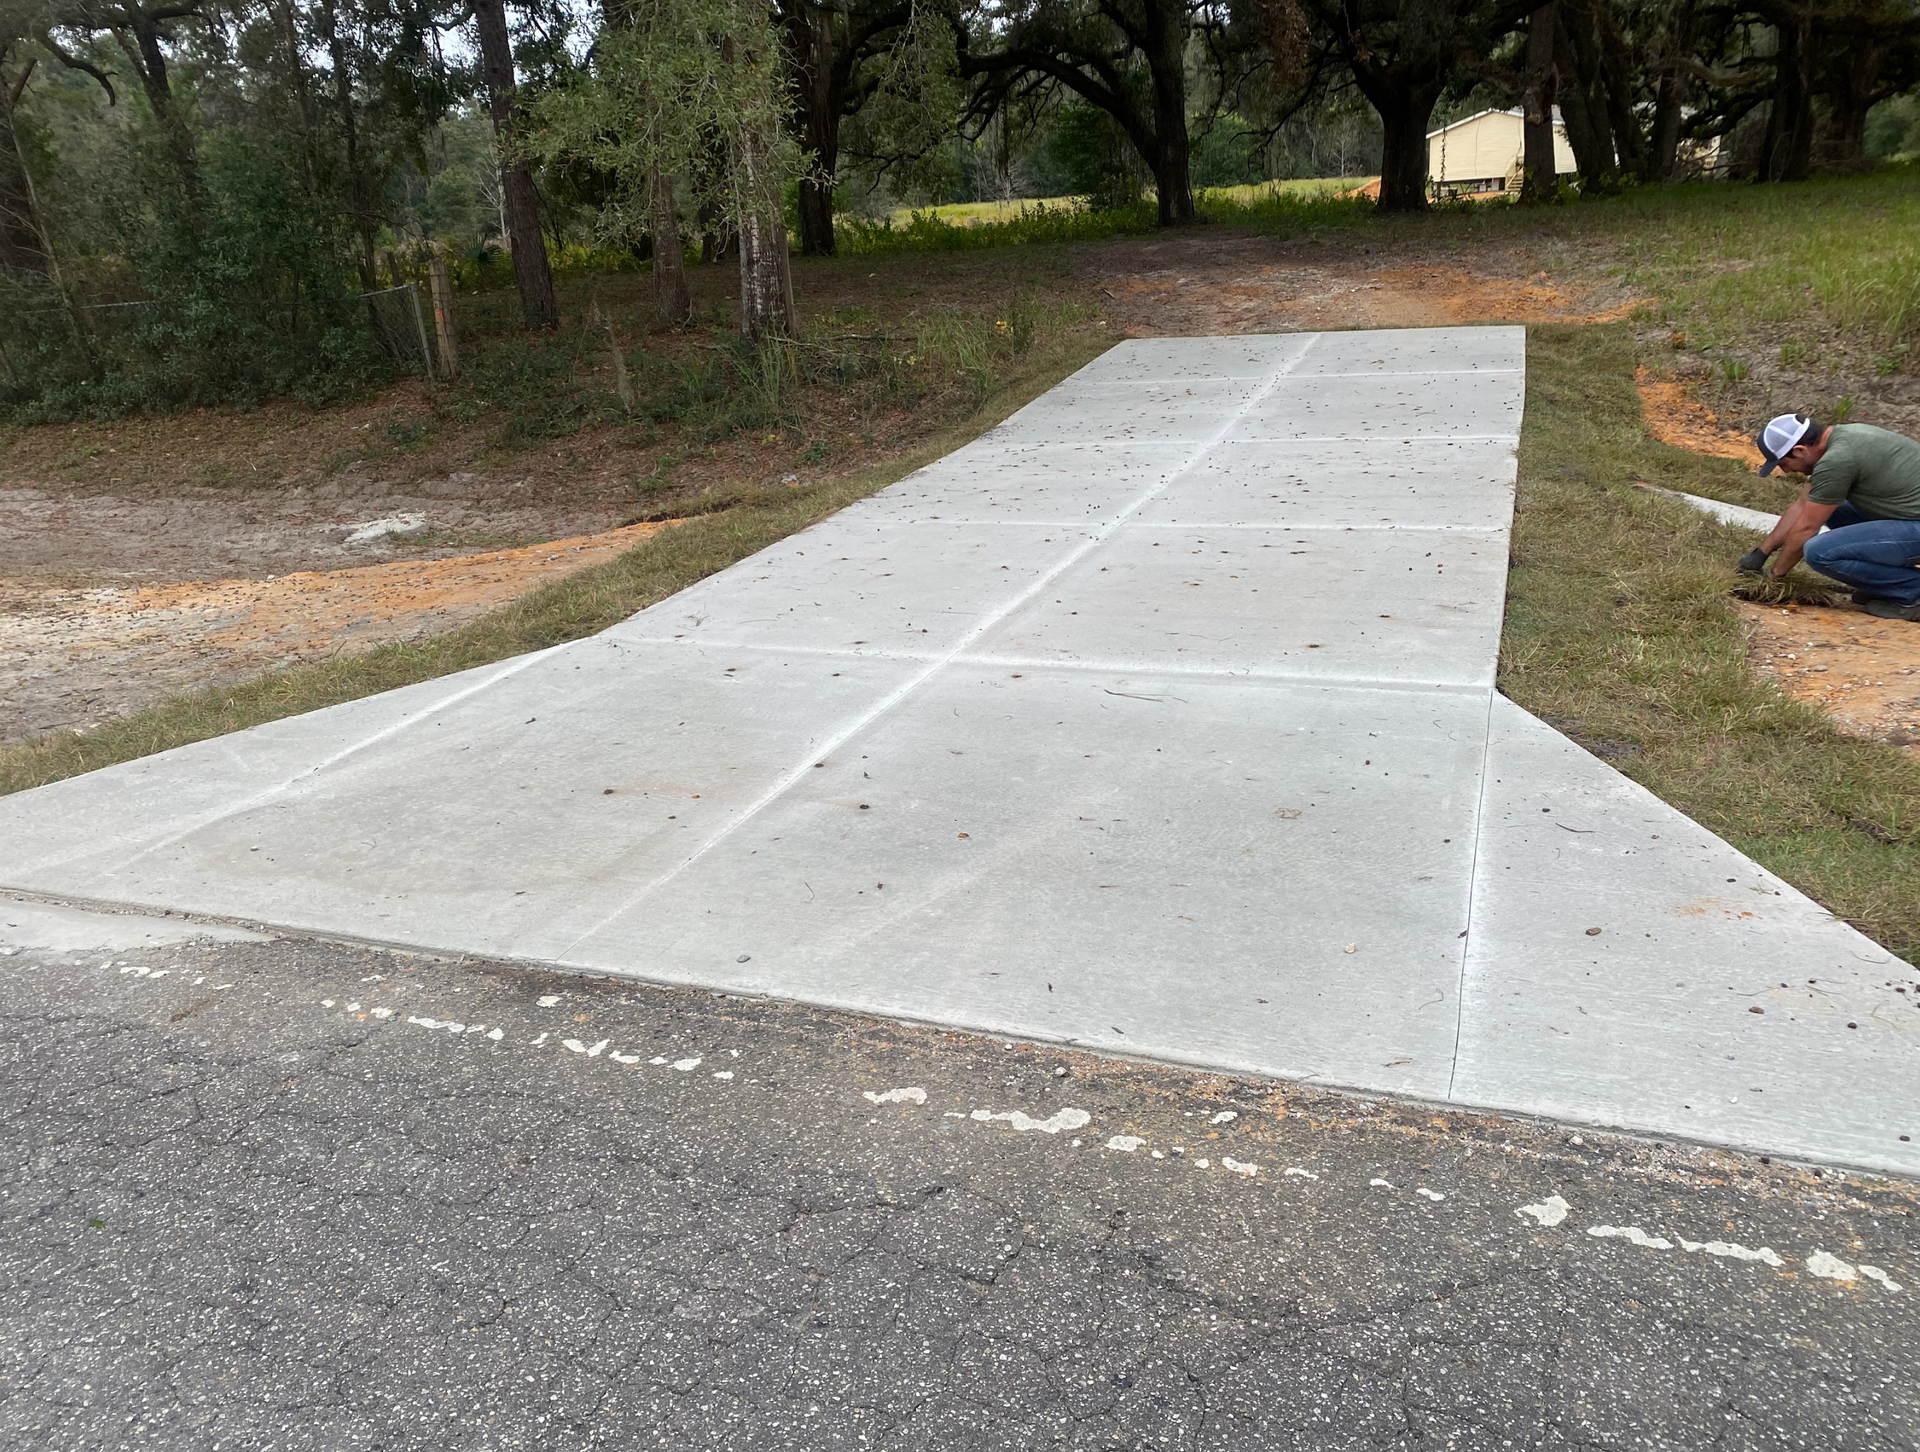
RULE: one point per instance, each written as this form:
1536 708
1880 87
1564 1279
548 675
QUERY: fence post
442 287
420 325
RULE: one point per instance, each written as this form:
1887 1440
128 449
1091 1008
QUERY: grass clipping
1621 632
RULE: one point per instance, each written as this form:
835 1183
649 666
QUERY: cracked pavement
291 1194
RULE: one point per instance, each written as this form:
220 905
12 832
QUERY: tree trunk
22 249
359 209
1542 182
766 277
810 43
1786 152
150 62
1404 109
1670 96
1587 133
1166 52
522 202
1840 142
1616 73
33 217
669 264
816 212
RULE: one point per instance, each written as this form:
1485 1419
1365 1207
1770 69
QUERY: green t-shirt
1875 470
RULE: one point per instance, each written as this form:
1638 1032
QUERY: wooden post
412 290
442 288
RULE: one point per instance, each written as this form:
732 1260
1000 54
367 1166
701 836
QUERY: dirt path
69 657
1210 284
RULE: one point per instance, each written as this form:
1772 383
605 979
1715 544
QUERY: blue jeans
1874 555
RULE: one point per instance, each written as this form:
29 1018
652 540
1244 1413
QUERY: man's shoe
1891 609
1861 597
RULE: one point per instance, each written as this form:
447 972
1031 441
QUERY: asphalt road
296 1195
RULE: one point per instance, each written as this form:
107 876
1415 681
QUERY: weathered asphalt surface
236 1217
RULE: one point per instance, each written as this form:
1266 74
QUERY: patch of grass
1038 222
722 527
1620 628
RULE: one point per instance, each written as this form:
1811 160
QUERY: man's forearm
1791 548
1783 530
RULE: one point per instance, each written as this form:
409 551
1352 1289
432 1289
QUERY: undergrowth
534 388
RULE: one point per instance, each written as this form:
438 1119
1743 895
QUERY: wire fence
397 316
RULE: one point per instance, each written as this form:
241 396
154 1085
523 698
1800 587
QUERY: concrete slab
1417 350
863 585
53 928
66 833
1475 406
1181 411
1410 606
1065 483
1200 870
1247 355
1156 721
1449 485
1651 1021
504 824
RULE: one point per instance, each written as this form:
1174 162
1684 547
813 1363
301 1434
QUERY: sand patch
1675 417
69 657
1862 671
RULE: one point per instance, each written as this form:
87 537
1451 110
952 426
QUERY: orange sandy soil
75 651
1674 416
1862 671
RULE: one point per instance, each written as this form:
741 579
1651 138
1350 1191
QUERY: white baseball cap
1779 436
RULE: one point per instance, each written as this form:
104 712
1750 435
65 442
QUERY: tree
1126 57
833 46
1787 83
24 247
695 90
530 269
1542 181
1402 54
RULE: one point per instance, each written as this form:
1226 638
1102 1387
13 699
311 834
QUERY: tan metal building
1484 153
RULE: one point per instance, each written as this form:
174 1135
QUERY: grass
1620 632
718 530
969 226
973 214
1828 270
605 368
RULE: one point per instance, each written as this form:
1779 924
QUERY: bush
246 294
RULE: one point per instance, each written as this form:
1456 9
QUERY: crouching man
1863 483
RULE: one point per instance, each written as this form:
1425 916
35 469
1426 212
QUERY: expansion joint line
1473 893
885 706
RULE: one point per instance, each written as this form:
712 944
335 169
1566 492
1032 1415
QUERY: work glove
1753 562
